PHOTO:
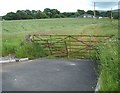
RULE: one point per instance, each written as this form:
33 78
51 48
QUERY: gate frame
36 38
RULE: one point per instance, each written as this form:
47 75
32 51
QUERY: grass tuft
30 50
8 48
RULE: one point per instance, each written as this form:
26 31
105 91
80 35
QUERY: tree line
53 13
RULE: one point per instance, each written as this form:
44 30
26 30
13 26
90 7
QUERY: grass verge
107 55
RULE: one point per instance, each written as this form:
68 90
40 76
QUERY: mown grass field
14 32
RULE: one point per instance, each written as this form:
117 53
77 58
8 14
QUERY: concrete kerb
23 59
97 86
14 60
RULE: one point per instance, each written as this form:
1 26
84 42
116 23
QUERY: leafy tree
21 14
47 11
56 16
62 15
80 12
108 14
34 13
54 13
28 12
69 14
77 14
41 15
10 16
97 13
103 14
90 12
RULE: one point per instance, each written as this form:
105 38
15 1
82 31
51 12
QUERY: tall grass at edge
107 55
24 49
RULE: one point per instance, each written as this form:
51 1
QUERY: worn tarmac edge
14 60
97 86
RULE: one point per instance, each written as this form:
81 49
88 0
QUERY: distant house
98 17
86 16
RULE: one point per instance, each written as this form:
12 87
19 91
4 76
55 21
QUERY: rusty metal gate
71 46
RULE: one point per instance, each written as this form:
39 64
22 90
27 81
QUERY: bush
30 50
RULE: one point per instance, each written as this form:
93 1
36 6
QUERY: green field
14 32
57 26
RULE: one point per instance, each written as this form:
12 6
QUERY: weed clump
24 49
8 48
30 50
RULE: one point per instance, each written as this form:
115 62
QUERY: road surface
49 75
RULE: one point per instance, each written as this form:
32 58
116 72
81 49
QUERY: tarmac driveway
49 75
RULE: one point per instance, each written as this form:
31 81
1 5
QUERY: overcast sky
62 5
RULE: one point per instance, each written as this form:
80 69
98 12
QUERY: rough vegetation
107 57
